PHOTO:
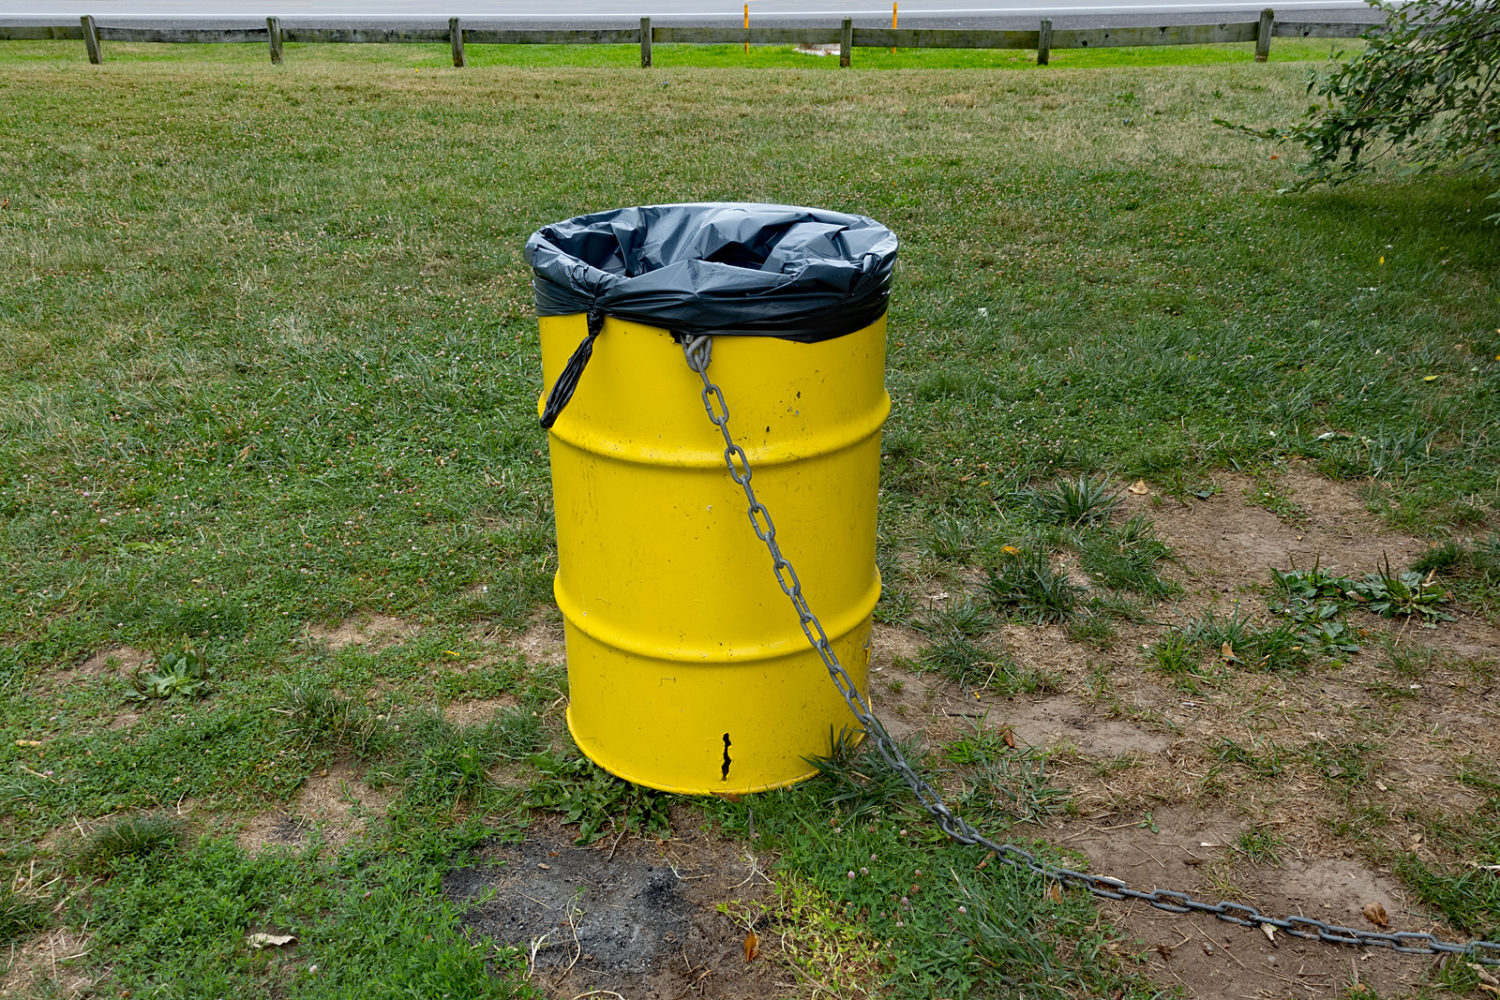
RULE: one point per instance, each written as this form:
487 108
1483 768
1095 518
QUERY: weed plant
596 800
1471 568
178 673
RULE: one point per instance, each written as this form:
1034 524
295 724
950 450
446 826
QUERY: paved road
619 13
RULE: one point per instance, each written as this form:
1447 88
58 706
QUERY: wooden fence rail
845 35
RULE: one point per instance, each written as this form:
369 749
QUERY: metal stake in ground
698 349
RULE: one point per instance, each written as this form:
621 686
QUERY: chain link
698 351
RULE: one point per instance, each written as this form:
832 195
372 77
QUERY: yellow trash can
687 667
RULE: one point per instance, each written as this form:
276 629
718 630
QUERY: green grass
665 57
268 361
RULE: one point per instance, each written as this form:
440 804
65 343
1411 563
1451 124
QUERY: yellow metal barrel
687 668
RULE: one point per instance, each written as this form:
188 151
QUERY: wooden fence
845 36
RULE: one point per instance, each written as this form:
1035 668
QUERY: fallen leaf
1269 932
752 946
270 940
1009 736
28 743
1139 488
1429 378
1483 974
1375 914
1053 893
544 866
1226 652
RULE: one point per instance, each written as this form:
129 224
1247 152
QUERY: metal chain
698 351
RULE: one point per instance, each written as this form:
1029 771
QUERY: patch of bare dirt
334 804
910 702
375 631
1189 848
477 713
47 965
124 719
114 662
542 643
1227 539
634 917
1062 721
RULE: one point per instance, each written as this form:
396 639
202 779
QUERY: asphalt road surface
626 13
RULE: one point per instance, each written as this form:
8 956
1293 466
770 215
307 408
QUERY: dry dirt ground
1159 805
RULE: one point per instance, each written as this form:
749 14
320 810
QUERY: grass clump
21 913
1260 846
1001 784
1093 629
859 782
1025 585
949 538
319 716
1235 639
135 836
1472 568
1177 656
1075 503
1125 558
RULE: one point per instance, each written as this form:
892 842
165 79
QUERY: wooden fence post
456 39
1263 35
1044 42
91 39
273 33
645 43
846 41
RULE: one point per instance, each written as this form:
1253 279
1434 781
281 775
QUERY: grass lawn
267 399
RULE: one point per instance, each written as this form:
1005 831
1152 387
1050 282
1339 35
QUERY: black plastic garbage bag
800 274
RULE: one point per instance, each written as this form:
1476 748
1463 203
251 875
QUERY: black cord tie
567 382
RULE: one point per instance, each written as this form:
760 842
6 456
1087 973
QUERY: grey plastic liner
800 274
